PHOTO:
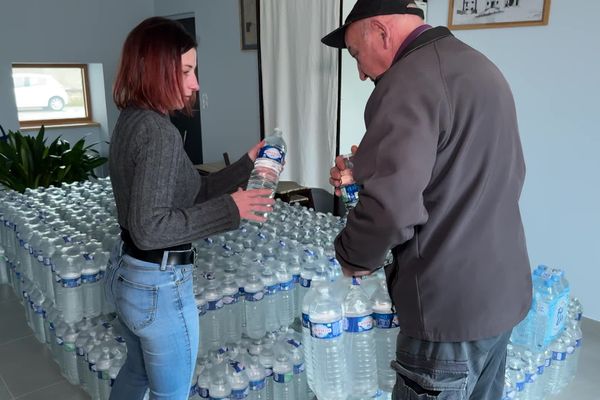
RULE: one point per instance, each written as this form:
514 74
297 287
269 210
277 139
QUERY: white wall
554 73
228 76
68 31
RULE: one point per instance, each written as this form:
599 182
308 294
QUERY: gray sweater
161 199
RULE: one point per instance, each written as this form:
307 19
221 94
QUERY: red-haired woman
163 204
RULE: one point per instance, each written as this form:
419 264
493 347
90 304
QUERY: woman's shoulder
147 122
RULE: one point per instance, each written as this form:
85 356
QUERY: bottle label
329 330
257 385
358 324
268 372
578 343
386 321
296 278
215 305
227 300
530 378
559 356
90 278
271 157
70 283
239 393
203 392
286 286
202 309
237 366
520 386
540 369
283 378
298 369
271 290
254 296
193 390
305 282
305 321
294 343
350 194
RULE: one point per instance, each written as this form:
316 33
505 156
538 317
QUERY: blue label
90 278
271 290
529 378
520 386
294 343
230 299
203 392
305 321
350 193
305 282
254 296
559 356
356 280
193 390
283 378
257 385
269 152
70 283
578 343
237 366
286 286
329 330
540 370
358 324
202 309
215 305
239 393
298 369
120 339
296 278
385 321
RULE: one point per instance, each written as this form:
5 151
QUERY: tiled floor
27 371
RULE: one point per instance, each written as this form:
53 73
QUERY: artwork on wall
249 24
478 14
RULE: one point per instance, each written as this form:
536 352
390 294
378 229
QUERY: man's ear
383 32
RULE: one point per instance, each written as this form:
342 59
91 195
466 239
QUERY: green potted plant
27 162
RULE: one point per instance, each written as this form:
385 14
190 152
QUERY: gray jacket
442 169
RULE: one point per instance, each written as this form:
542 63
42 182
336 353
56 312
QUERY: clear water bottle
256 378
269 163
70 284
214 321
271 297
238 380
70 356
515 374
386 334
359 343
103 373
91 287
285 309
329 359
557 370
232 312
202 307
203 381
283 376
348 187
530 371
219 388
254 307
296 350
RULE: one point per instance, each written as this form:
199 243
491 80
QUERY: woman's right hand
252 204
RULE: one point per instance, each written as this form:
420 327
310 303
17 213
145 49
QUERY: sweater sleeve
394 164
153 221
226 180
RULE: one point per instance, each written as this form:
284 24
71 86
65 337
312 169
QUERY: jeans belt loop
165 259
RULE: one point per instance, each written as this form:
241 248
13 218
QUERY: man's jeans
155 305
450 371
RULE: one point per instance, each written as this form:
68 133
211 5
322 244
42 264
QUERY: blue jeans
155 305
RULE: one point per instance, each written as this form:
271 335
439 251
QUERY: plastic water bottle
203 382
348 187
91 287
556 371
269 163
70 283
232 312
254 307
271 298
219 388
574 331
296 350
266 359
359 343
386 334
70 356
103 373
214 321
530 371
283 376
285 309
329 359
238 380
256 378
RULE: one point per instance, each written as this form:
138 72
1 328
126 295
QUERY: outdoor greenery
27 162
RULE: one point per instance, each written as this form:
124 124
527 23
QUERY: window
51 94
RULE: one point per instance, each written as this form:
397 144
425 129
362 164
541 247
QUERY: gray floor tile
14 325
62 390
27 365
4 392
6 293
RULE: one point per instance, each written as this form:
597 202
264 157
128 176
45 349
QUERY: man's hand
335 174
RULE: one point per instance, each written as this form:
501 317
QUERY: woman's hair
150 74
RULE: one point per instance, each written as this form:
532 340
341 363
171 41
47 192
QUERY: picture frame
249 24
484 14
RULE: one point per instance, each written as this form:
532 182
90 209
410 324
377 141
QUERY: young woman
163 204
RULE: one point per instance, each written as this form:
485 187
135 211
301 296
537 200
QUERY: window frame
60 121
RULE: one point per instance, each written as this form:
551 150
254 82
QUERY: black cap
366 9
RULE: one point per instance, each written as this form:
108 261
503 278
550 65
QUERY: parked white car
39 90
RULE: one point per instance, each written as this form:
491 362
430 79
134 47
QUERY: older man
442 169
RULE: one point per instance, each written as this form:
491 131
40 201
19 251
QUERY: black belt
174 257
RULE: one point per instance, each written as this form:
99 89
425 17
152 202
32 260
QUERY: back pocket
135 303
418 381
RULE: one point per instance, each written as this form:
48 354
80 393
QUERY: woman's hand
335 174
253 204
253 152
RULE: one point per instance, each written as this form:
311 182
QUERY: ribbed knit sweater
161 199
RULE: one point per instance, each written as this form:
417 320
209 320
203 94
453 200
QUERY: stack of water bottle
545 346
54 248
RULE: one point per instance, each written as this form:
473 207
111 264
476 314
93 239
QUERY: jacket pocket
135 303
419 381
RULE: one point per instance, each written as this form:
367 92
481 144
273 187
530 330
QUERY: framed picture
479 14
249 25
